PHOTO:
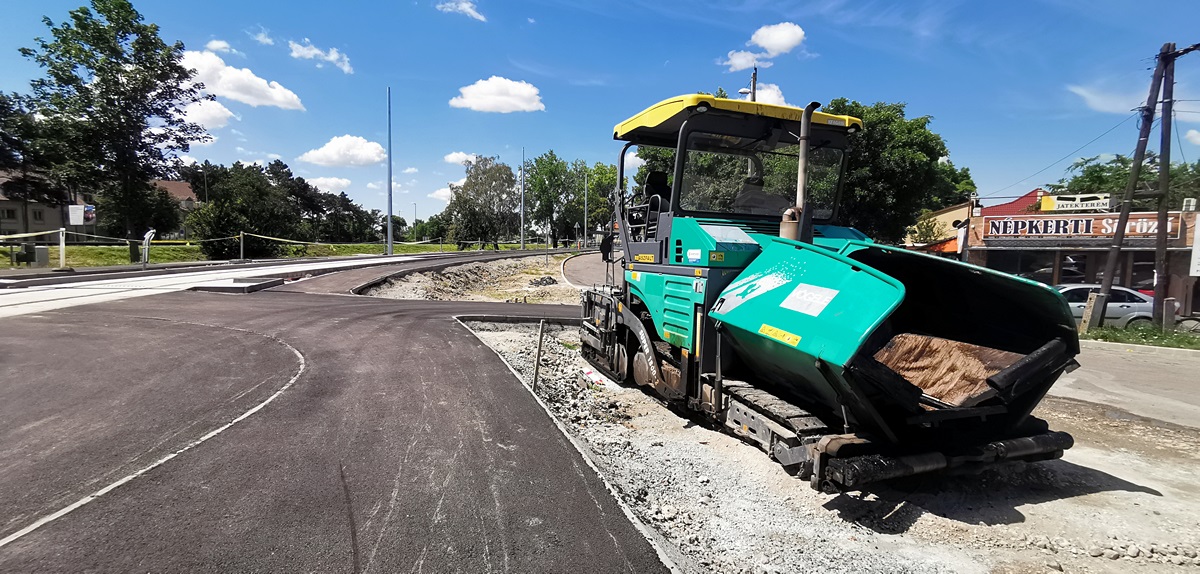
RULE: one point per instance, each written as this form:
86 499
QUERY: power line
1177 139
1060 160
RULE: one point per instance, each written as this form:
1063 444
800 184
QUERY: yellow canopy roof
666 117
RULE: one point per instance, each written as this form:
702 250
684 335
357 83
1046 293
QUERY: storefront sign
1076 225
1092 201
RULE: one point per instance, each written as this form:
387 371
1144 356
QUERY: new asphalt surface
367 435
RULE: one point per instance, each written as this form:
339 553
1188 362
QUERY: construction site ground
1124 499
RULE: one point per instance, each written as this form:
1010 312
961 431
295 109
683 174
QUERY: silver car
1126 307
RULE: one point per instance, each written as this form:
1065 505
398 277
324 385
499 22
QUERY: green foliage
1144 336
484 207
25 154
111 103
1091 175
243 200
548 190
437 226
927 229
893 172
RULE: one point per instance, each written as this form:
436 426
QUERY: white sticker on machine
809 299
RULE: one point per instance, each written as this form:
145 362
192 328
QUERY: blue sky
1012 86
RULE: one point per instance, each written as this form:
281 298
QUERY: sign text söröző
1091 225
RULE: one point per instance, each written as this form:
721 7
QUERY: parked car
1126 307
1046 275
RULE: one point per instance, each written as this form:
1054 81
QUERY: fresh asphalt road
386 438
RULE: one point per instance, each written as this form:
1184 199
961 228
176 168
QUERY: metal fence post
241 245
62 247
537 358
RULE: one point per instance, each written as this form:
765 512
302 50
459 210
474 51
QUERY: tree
927 229
113 96
399 227
892 170
482 208
25 155
548 191
1091 175
244 200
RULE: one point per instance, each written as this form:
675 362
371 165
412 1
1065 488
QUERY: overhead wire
991 195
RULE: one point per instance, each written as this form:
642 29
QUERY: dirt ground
532 279
1123 500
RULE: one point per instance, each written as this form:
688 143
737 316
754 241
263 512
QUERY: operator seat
657 193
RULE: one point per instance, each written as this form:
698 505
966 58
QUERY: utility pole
389 171
1097 303
522 198
1161 318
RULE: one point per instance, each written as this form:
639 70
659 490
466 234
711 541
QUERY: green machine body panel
672 301
713 243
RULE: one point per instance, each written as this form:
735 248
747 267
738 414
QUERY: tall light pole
389 171
585 194
522 197
414 221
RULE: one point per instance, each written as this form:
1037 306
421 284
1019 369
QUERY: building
17 216
947 220
1072 247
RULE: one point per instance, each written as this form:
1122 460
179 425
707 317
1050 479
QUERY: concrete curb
1140 349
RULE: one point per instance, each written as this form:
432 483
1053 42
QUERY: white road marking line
93 496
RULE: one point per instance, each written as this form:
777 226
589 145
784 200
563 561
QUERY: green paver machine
733 293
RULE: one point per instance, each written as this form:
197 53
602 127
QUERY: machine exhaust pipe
797 222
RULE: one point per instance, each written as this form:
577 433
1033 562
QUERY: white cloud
238 84
329 184
778 38
409 170
459 157
632 163
768 94
1107 102
464 7
375 185
307 51
739 60
346 151
263 37
211 140
444 194
208 113
531 20
497 94
274 156
1193 136
187 159
220 46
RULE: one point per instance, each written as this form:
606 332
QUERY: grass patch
569 345
1144 336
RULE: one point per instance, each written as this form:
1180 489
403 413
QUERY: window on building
38 215
8 214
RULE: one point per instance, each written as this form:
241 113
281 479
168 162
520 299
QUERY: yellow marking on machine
779 335
644 258
635 276
717 256
697 273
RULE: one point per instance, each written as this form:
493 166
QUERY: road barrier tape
103 237
285 240
33 234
